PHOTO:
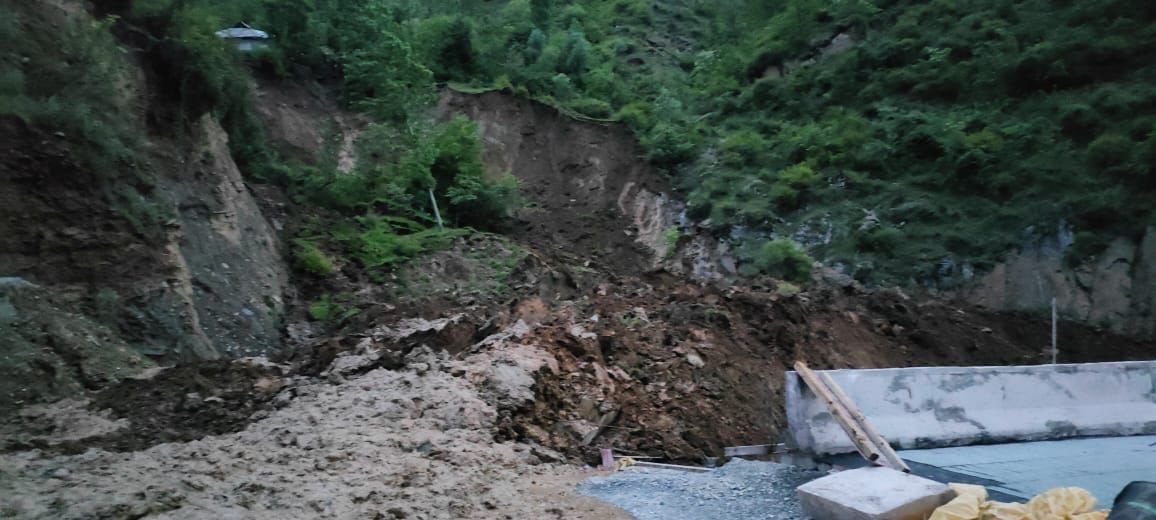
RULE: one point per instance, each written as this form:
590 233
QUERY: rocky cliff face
209 284
110 264
1116 290
225 258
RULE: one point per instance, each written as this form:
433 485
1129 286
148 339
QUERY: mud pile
410 443
670 369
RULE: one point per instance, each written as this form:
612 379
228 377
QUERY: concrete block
915 408
872 494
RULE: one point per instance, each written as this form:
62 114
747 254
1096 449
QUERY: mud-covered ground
484 410
410 443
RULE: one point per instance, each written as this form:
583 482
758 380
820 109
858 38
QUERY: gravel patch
741 490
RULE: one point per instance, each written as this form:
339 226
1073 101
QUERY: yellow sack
1061 503
965 505
1006 511
970 503
1094 515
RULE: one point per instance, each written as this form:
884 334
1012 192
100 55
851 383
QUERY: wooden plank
842 416
873 435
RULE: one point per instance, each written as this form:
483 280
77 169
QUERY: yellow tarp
971 503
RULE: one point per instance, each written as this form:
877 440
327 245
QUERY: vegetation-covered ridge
894 137
902 139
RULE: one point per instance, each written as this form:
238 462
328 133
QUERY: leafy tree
541 11
472 198
456 58
1111 152
573 59
535 45
563 88
384 79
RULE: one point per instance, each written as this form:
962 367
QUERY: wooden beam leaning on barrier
870 444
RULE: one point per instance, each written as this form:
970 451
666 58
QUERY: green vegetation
782 259
61 75
333 308
311 259
482 264
956 124
787 289
66 80
382 213
670 240
959 123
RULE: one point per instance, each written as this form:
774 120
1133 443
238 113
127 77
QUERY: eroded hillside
272 293
159 250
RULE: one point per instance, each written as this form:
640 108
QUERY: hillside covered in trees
887 136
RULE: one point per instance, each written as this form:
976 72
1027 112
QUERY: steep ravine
455 398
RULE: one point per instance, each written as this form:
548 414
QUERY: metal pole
437 213
1055 351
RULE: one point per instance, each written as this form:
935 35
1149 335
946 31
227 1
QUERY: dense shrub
311 259
381 242
1110 152
881 240
384 80
783 259
333 309
743 147
792 184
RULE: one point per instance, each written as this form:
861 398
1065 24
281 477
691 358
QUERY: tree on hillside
575 53
535 45
384 79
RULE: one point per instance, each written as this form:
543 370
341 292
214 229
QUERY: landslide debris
411 443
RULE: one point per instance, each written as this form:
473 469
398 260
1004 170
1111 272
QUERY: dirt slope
681 371
160 245
585 181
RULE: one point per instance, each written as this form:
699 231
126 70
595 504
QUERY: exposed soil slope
152 236
582 180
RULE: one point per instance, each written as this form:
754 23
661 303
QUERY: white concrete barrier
953 406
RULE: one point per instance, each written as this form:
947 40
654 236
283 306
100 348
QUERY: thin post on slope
437 214
1055 348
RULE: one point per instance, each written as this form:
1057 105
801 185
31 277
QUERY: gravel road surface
741 490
